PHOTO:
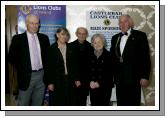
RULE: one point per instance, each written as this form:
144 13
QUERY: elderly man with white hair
131 60
27 53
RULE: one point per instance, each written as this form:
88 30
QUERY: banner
51 18
103 22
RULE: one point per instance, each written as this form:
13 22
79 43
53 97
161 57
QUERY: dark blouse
101 69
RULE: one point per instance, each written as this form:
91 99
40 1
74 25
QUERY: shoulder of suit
69 45
17 37
21 35
138 32
73 43
41 34
106 51
54 45
88 42
116 35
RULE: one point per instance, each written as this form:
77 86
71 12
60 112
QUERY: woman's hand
94 85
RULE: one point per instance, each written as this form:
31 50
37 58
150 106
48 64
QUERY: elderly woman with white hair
101 74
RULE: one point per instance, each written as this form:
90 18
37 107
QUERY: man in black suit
27 54
131 59
83 51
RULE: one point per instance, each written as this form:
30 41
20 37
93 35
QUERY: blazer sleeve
13 51
49 66
75 66
144 55
108 82
114 60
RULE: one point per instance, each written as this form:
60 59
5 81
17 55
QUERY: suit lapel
26 48
128 43
68 55
117 46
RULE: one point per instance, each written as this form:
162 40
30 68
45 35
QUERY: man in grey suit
27 54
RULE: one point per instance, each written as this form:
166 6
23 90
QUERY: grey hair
131 22
83 29
101 36
31 15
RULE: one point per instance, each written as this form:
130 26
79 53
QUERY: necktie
125 33
36 59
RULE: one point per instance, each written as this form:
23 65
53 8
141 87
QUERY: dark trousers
128 95
82 93
99 97
63 95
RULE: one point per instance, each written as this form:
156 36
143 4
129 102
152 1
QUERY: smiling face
124 23
62 37
98 43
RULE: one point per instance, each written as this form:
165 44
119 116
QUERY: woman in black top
61 71
101 76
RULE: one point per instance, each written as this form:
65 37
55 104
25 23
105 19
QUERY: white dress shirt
124 39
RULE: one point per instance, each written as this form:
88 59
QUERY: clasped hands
94 85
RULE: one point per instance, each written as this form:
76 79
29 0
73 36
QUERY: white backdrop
76 17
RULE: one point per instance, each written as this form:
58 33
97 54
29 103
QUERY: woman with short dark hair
61 71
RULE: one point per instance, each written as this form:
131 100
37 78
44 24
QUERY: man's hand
51 87
144 82
77 83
